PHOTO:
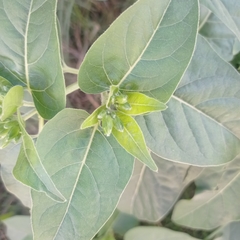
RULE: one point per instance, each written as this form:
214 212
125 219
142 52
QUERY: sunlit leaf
142 104
30 52
11 102
201 124
132 140
152 42
29 169
89 169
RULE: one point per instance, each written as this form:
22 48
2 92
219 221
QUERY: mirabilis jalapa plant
78 165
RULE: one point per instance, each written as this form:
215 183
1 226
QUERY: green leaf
5 85
89 169
132 140
30 52
30 170
216 196
150 196
149 46
18 227
142 104
11 102
223 41
8 158
92 120
202 115
153 233
227 11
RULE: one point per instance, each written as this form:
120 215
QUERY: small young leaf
29 169
12 101
93 118
132 140
142 104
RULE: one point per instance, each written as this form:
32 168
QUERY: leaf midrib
77 178
148 43
26 47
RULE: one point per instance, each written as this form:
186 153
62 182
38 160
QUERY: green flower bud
102 114
121 99
107 125
118 124
125 106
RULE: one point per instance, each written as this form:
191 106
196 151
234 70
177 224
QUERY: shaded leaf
201 125
163 33
150 196
132 140
227 11
30 52
153 233
215 202
142 104
90 170
224 42
11 102
8 159
18 227
30 170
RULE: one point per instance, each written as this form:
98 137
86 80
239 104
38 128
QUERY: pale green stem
67 69
72 87
40 123
29 114
28 104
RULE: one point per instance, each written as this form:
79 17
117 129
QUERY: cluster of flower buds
9 131
9 128
108 116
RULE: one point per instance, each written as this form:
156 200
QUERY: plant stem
28 104
71 88
67 69
29 114
40 123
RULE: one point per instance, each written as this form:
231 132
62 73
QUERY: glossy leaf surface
90 170
216 196
151 195
152 42
142 104
201 124
153 233
29 168
30 52
132 140
11 102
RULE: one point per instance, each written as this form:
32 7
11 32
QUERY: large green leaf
30 53
90 170
201 124
227 11
216 200
149 46
150 195
156 233
8 158
224 42
29 168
